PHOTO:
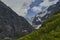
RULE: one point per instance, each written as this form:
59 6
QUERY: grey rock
12 25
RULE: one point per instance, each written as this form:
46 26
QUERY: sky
42 5
29 8
19 6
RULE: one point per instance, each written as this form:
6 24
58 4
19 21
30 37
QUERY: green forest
50 29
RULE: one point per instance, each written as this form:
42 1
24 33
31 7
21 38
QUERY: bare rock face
12 25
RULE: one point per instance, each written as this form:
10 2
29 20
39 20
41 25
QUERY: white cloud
45 3
19 6
36 9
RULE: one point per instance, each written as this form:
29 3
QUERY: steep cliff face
12 25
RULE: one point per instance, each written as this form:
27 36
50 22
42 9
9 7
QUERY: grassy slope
50 30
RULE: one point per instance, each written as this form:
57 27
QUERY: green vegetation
50 30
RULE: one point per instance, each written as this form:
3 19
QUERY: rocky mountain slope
12 25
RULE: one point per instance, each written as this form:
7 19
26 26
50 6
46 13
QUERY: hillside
50 29
12 25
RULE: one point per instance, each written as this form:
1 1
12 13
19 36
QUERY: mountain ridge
42 16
